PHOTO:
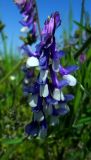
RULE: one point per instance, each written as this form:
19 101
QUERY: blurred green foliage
71 139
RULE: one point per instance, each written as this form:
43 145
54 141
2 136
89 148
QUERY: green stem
38 21
4 43
82 19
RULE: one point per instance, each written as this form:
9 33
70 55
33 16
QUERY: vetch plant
42 72
46 97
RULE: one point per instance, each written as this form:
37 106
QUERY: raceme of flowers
45 79
28 10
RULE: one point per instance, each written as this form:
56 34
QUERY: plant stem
82 18
38 21
4 43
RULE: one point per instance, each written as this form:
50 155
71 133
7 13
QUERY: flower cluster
28 11
45 79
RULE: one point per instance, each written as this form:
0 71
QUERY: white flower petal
24 29
38 116
70 79
55 65
26 81
43 75
56 94
33 100
32 62
62 96
54 120
44 91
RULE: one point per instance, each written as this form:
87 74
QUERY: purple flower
45 89
82 58
50 26
28 11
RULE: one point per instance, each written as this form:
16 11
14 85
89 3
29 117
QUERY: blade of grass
12 71
83 27
85 45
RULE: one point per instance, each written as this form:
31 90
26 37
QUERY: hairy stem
38 21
